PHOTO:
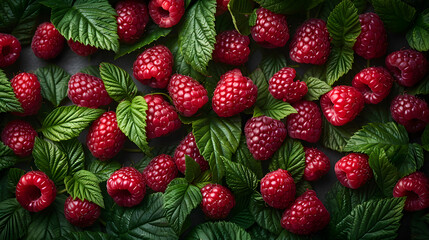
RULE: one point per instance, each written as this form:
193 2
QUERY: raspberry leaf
240 10
271 63
50 160
180 65
13 177
385 174
340 61
87 235
420 226
84 185
425 138
328 6
244 157
75 154
343 24
395 14
257 232
14 219
240 179
418 35
267 217
54 83
290 157
288 6
192 170
377 113
8 101
421 88
218 230
118 82
240 213
103 170
316 88
8 158
91 70
336 137
302 187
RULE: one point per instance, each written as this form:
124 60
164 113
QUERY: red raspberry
47 42
264 136
87 91
27 90
81 213
374 83
126 186
188 95
282 86
342 104
353 170
416 188
19 136
132 17
166 13
307 123
311 43
306 215
233 94
410 111
154 66
35 191
104 138
221 6
81 49
10 49
407 66
161 118
160 172
217 201
188 146
271 29
278 189
317 164
231 48
372 41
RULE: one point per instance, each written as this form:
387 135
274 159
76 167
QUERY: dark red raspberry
81 213
161 117
341 105
188 146
35 191
271 29
317 164
233 94
221 6
407 66
104 138
282 86
353 170
10 49
153 67
19 136
160 172
126 186
264 136
132 17
372 41
307 123
217 201
81 49
278 189
231 48
47 42
410 111
416 188
166 13
374 83
27 90
311 43
306 215
87 91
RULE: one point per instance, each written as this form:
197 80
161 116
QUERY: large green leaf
86 235
75 154
53 82
343 24
102 169
288 6
14 219
7 157
418 35
385 173
265 216
244 157
8 101
84 185
240 179
396 14
218 230
180 66
50 160
118 82
240 10
290 157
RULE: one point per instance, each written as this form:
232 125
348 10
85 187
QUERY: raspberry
311 43
81 49
270 30
217 201
19 136
264 136
410 111
372 41
188 146
87 91
160 172
132 17
47 42
317 164
10 49
374 83
126 186
282 86
27 90
341 105
35 191
221 6
306 215
231 48
104 138
81 213
161 118
166 13
233 94
307 123
416 188
407 66
353 170
188 95
153 67
278 189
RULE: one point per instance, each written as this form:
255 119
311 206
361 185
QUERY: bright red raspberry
10 49
217 201
19 136
27 90
221 6
126 186
132 17
231 48
47 42
81 213
282 86
407 66
161 117
341 105
317 164
166 13
233 94
372 41
188 146
374 83
81 49
35 191
87 91
410 111
160 172
307 123
353 170
278 189
270 30
416 188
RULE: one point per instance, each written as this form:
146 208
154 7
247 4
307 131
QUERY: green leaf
412 161
290 157
192 170
13 177
241 214
13 219
377 113
218 230
340 61
103 170
240 179
421 88
425 138
53 82
244 157
75 154
272 62
335 137
180 66
253 17
288 6
91 70
385 173
265 216
418 36
343 25
395 14
316 71
257 232
50 160
420 226
86 235
8 101
240 10
84 185
316 88
302 187
7 157
118 82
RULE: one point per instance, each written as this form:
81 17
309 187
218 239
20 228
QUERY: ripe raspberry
372 41
126 186
81 213
233 94
166 13
188 146
87 91
278 189
311 43
81 49
188 95
416 188
306 215
407 66
217 201
35 191
231 48
374 83
353 170
221 6
10 49
410 111
271 29
264 136
132 17
160 172
27 90
104 138
282 86
341 105
47 42
316 164
307 123
19 136
161 117
153 67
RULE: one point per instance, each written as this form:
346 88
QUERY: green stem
133 150
62 191
368 63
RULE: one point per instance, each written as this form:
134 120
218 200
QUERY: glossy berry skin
10 49
81 213
81 49
166 13
416 188
47 42
353 170
264 136
132 17
85 90
317 164
127 187
161 118
35 191
231 48
270 30
27 90
372 41
221 6
282 86
407 66
410 111
233 94
19 136
374 83
278 189
307 123
160 172
188 146
217 201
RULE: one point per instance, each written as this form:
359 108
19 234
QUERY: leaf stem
133 150
61 191
368 63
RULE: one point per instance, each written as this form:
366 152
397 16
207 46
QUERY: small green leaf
272 62
265 216
8 101
316 88
396 14
288 6
253 17
118 82
192 170
385 173
13 177
75 154
240 10
14 219
240 179
218 230
53 82
7 157
244 157
86 235
50 160
103 170
290 157
84 185
418 35
340 61
335 137
343 25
